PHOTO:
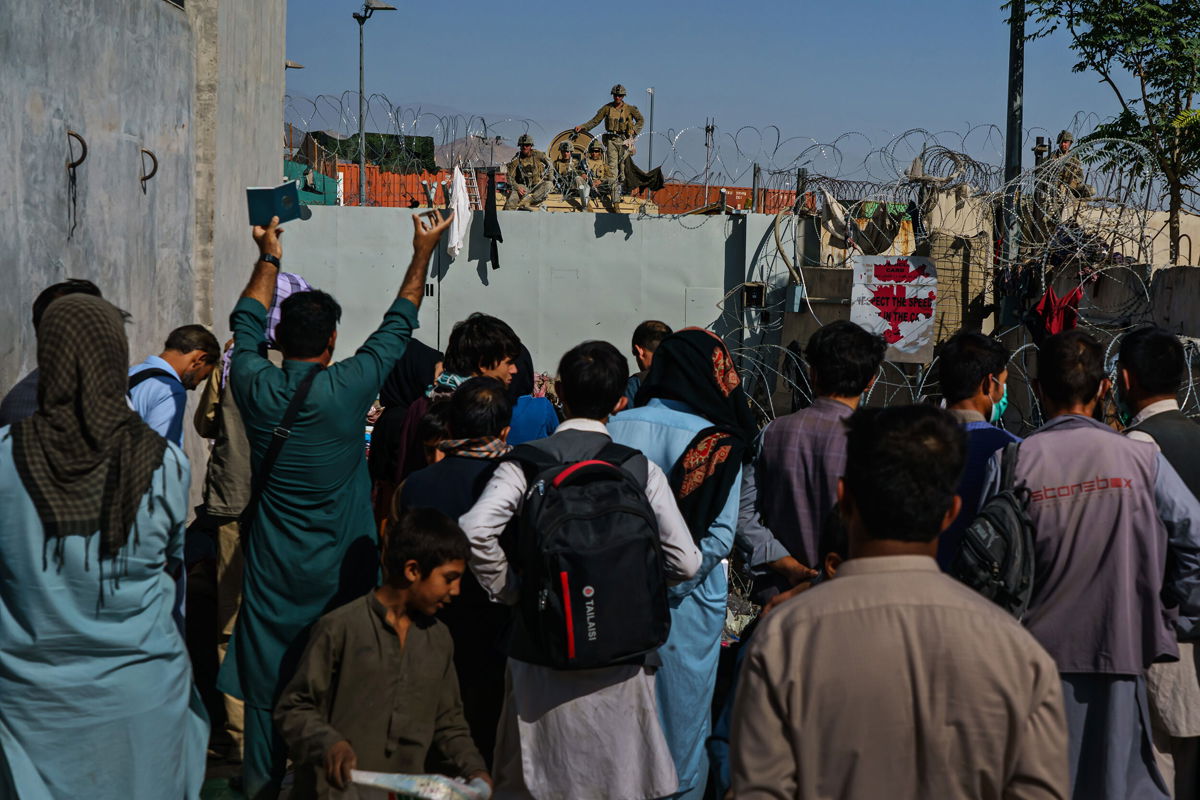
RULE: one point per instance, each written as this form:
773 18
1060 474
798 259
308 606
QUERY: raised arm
428 231
593 122
262 281
426 235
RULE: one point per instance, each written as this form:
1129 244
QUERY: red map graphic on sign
899 271
896 306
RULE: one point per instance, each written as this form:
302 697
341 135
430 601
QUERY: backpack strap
278 436
146 374
631 460
1008 465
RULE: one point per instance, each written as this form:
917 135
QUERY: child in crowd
376 686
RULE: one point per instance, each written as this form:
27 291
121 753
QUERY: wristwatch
267 258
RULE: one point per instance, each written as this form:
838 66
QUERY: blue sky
812 69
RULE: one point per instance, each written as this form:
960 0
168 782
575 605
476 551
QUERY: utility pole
650 147
369 8
1014 131
709 127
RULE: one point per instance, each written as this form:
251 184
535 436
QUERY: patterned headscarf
85 457
694 367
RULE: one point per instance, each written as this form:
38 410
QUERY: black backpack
593 589
996 557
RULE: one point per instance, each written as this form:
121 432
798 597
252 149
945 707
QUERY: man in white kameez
579 734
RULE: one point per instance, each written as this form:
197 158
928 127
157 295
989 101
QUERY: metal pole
650 148
362 121
1014 132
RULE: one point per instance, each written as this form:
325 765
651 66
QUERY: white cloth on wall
462 214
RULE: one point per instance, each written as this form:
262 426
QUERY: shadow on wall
613 223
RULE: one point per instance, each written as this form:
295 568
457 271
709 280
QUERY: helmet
525 138
618 90
564 146
595 148
1065 136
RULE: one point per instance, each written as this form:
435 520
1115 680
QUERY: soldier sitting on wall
530 177
570 176
596 171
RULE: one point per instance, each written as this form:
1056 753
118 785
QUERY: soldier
529 177
569 174
1070 176
596 170
622 124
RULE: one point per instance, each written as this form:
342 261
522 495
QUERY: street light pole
650 149
369 8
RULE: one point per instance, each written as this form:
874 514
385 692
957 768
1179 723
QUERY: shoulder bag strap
278 437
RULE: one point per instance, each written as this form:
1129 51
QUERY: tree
1152 46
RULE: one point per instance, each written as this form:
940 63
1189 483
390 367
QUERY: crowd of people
524 585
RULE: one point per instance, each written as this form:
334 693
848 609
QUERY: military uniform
597 171
532 173
1070 170
620 123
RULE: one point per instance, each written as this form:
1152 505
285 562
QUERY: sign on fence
894 296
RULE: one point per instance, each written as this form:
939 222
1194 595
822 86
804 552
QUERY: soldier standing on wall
529 177
622 124
1070 176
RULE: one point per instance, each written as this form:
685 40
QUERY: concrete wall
120 73
562 278
202 89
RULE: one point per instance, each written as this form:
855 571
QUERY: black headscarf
407 381
85 457
693 366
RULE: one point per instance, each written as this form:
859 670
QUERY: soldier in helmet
530 177
1070 175
622 124
597 170
568 173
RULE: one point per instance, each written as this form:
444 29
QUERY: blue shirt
662 429
532 418
160 400
983 441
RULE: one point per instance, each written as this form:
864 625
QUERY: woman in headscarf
693 419
97 690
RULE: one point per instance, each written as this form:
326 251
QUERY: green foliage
1148 52
391 152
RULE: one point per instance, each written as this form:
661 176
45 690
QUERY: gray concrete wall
119 72
563 278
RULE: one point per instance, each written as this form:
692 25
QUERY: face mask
999 407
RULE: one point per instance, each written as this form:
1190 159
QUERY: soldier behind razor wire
530 177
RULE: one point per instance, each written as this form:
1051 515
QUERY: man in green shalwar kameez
312 543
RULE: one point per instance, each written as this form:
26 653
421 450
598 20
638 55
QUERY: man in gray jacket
1109 512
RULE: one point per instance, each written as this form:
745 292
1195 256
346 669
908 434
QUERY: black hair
834 539
964 360
52 293
903 465
844 358
424 535
1070 367
187 338
478 408
522 382
648 334
479 342
1154 357
306 322
435 424
593 376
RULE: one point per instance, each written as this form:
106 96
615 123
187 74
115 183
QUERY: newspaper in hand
422 787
